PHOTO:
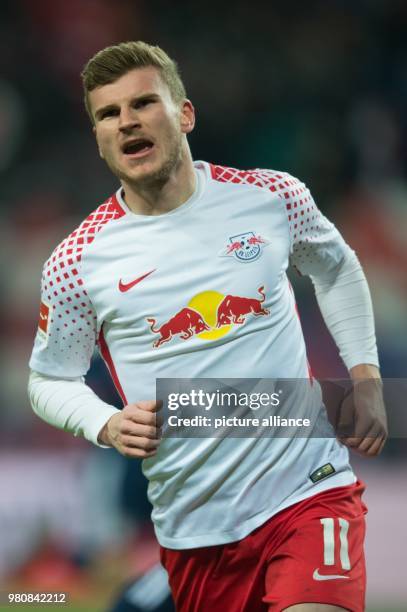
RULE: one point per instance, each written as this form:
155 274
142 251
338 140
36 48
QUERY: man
182 273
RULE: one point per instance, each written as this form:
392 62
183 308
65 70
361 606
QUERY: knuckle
144 453
130 410
120 439
147 444
124 428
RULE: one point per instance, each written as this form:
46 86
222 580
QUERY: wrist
103 436
364 371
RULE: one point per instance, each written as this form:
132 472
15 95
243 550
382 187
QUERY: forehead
133 84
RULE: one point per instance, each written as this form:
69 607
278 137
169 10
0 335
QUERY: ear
187 117
96 136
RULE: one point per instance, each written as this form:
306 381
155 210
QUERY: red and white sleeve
67 327
342 292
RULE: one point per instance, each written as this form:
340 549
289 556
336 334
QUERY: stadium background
318 89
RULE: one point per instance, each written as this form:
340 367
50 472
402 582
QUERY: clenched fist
363 422
134 431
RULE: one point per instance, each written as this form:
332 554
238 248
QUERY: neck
164 195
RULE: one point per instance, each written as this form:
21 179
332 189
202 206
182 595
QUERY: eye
143 103
109 112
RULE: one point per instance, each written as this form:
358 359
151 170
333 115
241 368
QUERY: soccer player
182 272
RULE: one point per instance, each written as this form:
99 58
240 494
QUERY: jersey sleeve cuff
365 358
93 429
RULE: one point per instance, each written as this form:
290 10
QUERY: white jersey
199 292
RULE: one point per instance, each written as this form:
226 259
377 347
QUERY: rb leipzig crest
245 247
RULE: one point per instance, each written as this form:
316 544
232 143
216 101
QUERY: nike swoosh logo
317 576
123 287
43 317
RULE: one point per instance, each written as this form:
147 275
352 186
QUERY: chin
148 175
139 173
154 174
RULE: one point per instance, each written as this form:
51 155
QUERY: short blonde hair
111 63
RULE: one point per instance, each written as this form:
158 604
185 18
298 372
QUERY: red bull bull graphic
234 246
209 316
256 240
185 323
234 309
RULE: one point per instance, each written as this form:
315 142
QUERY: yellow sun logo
206 303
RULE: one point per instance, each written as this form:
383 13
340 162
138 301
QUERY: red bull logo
245 247
209 316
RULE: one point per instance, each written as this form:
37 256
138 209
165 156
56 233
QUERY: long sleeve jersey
202 292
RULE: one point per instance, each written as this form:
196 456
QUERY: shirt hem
234 535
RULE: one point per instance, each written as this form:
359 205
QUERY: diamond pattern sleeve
68 326
317 248
342 292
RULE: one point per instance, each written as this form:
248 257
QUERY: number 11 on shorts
329 541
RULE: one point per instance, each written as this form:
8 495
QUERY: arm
366 404
344 299
65 341
343 296
71 405
346 307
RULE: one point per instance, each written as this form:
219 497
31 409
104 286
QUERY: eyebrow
99 112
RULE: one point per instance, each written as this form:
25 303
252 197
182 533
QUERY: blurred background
318 89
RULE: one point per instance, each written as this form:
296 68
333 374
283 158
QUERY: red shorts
309 552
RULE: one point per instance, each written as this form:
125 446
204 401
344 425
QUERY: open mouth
138 147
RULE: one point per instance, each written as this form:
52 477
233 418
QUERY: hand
134 431
362 422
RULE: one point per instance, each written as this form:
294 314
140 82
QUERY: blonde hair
111 63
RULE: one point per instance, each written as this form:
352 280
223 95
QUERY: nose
128 119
